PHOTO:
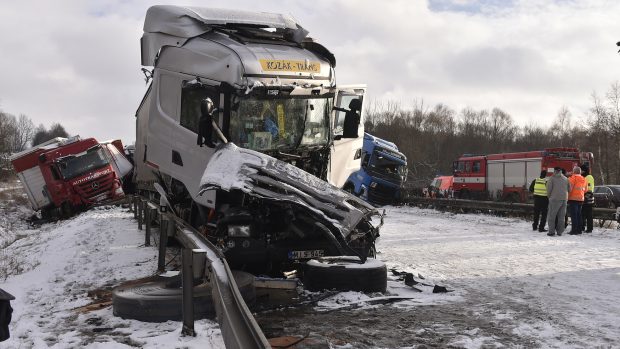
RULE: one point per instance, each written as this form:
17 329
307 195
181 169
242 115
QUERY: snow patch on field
96 250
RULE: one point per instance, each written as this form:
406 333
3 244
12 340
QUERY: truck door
173 127
346 153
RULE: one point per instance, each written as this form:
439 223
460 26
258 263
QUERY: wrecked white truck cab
258 81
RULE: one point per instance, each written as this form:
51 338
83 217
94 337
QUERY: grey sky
78 62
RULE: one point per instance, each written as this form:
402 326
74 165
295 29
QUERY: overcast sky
77 62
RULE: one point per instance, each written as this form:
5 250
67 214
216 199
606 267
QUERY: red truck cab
67 175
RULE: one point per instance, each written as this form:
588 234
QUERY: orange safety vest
578 186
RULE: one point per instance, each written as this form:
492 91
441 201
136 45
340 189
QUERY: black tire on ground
342 273
47 213
159 299
66 210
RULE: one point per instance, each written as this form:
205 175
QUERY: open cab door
346 152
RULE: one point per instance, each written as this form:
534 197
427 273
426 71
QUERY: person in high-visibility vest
576 196
588 202
541 202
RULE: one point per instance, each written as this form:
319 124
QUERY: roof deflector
167 25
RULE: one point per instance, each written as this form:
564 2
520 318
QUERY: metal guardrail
519 208
238 326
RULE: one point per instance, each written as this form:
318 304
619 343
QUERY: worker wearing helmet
576 193
541 202
588 202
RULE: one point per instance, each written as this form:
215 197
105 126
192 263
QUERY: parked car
607 196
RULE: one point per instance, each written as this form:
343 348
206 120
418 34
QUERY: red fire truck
63 175
508 176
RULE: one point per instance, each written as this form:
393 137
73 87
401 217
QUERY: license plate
101 197
305 254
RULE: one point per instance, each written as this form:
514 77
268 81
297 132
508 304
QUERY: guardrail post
164 228
134 204
140 213
188 293
149 222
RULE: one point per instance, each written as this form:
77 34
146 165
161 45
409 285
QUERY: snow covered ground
63 261
512 287
542 291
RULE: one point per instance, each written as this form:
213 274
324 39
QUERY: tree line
432 137
18 133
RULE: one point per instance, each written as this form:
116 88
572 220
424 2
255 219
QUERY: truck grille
89 190
381 194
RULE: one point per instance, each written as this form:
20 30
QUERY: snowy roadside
554 292
62 262
512 287
14 210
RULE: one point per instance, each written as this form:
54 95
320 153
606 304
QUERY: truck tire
66 210
159 299
344 273
465 195
47 213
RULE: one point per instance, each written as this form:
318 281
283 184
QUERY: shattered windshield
73 166
388 166
280 123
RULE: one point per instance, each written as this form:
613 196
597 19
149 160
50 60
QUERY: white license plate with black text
305 254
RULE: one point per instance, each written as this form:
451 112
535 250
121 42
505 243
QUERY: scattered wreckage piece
159 298
409 280
345 273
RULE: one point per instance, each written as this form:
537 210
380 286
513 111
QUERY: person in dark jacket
588 202
541 202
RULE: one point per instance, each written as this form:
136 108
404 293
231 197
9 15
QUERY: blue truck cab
383 171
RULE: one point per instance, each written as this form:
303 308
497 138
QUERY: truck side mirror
365 160
205 124
352 119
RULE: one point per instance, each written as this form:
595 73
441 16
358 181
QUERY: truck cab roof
237 47
378 141
386 147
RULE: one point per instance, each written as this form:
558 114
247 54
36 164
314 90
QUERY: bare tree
561 125
23 133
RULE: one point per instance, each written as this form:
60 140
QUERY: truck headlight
364 192
373 184
239 231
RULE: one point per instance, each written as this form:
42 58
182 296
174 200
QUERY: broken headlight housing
239 231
